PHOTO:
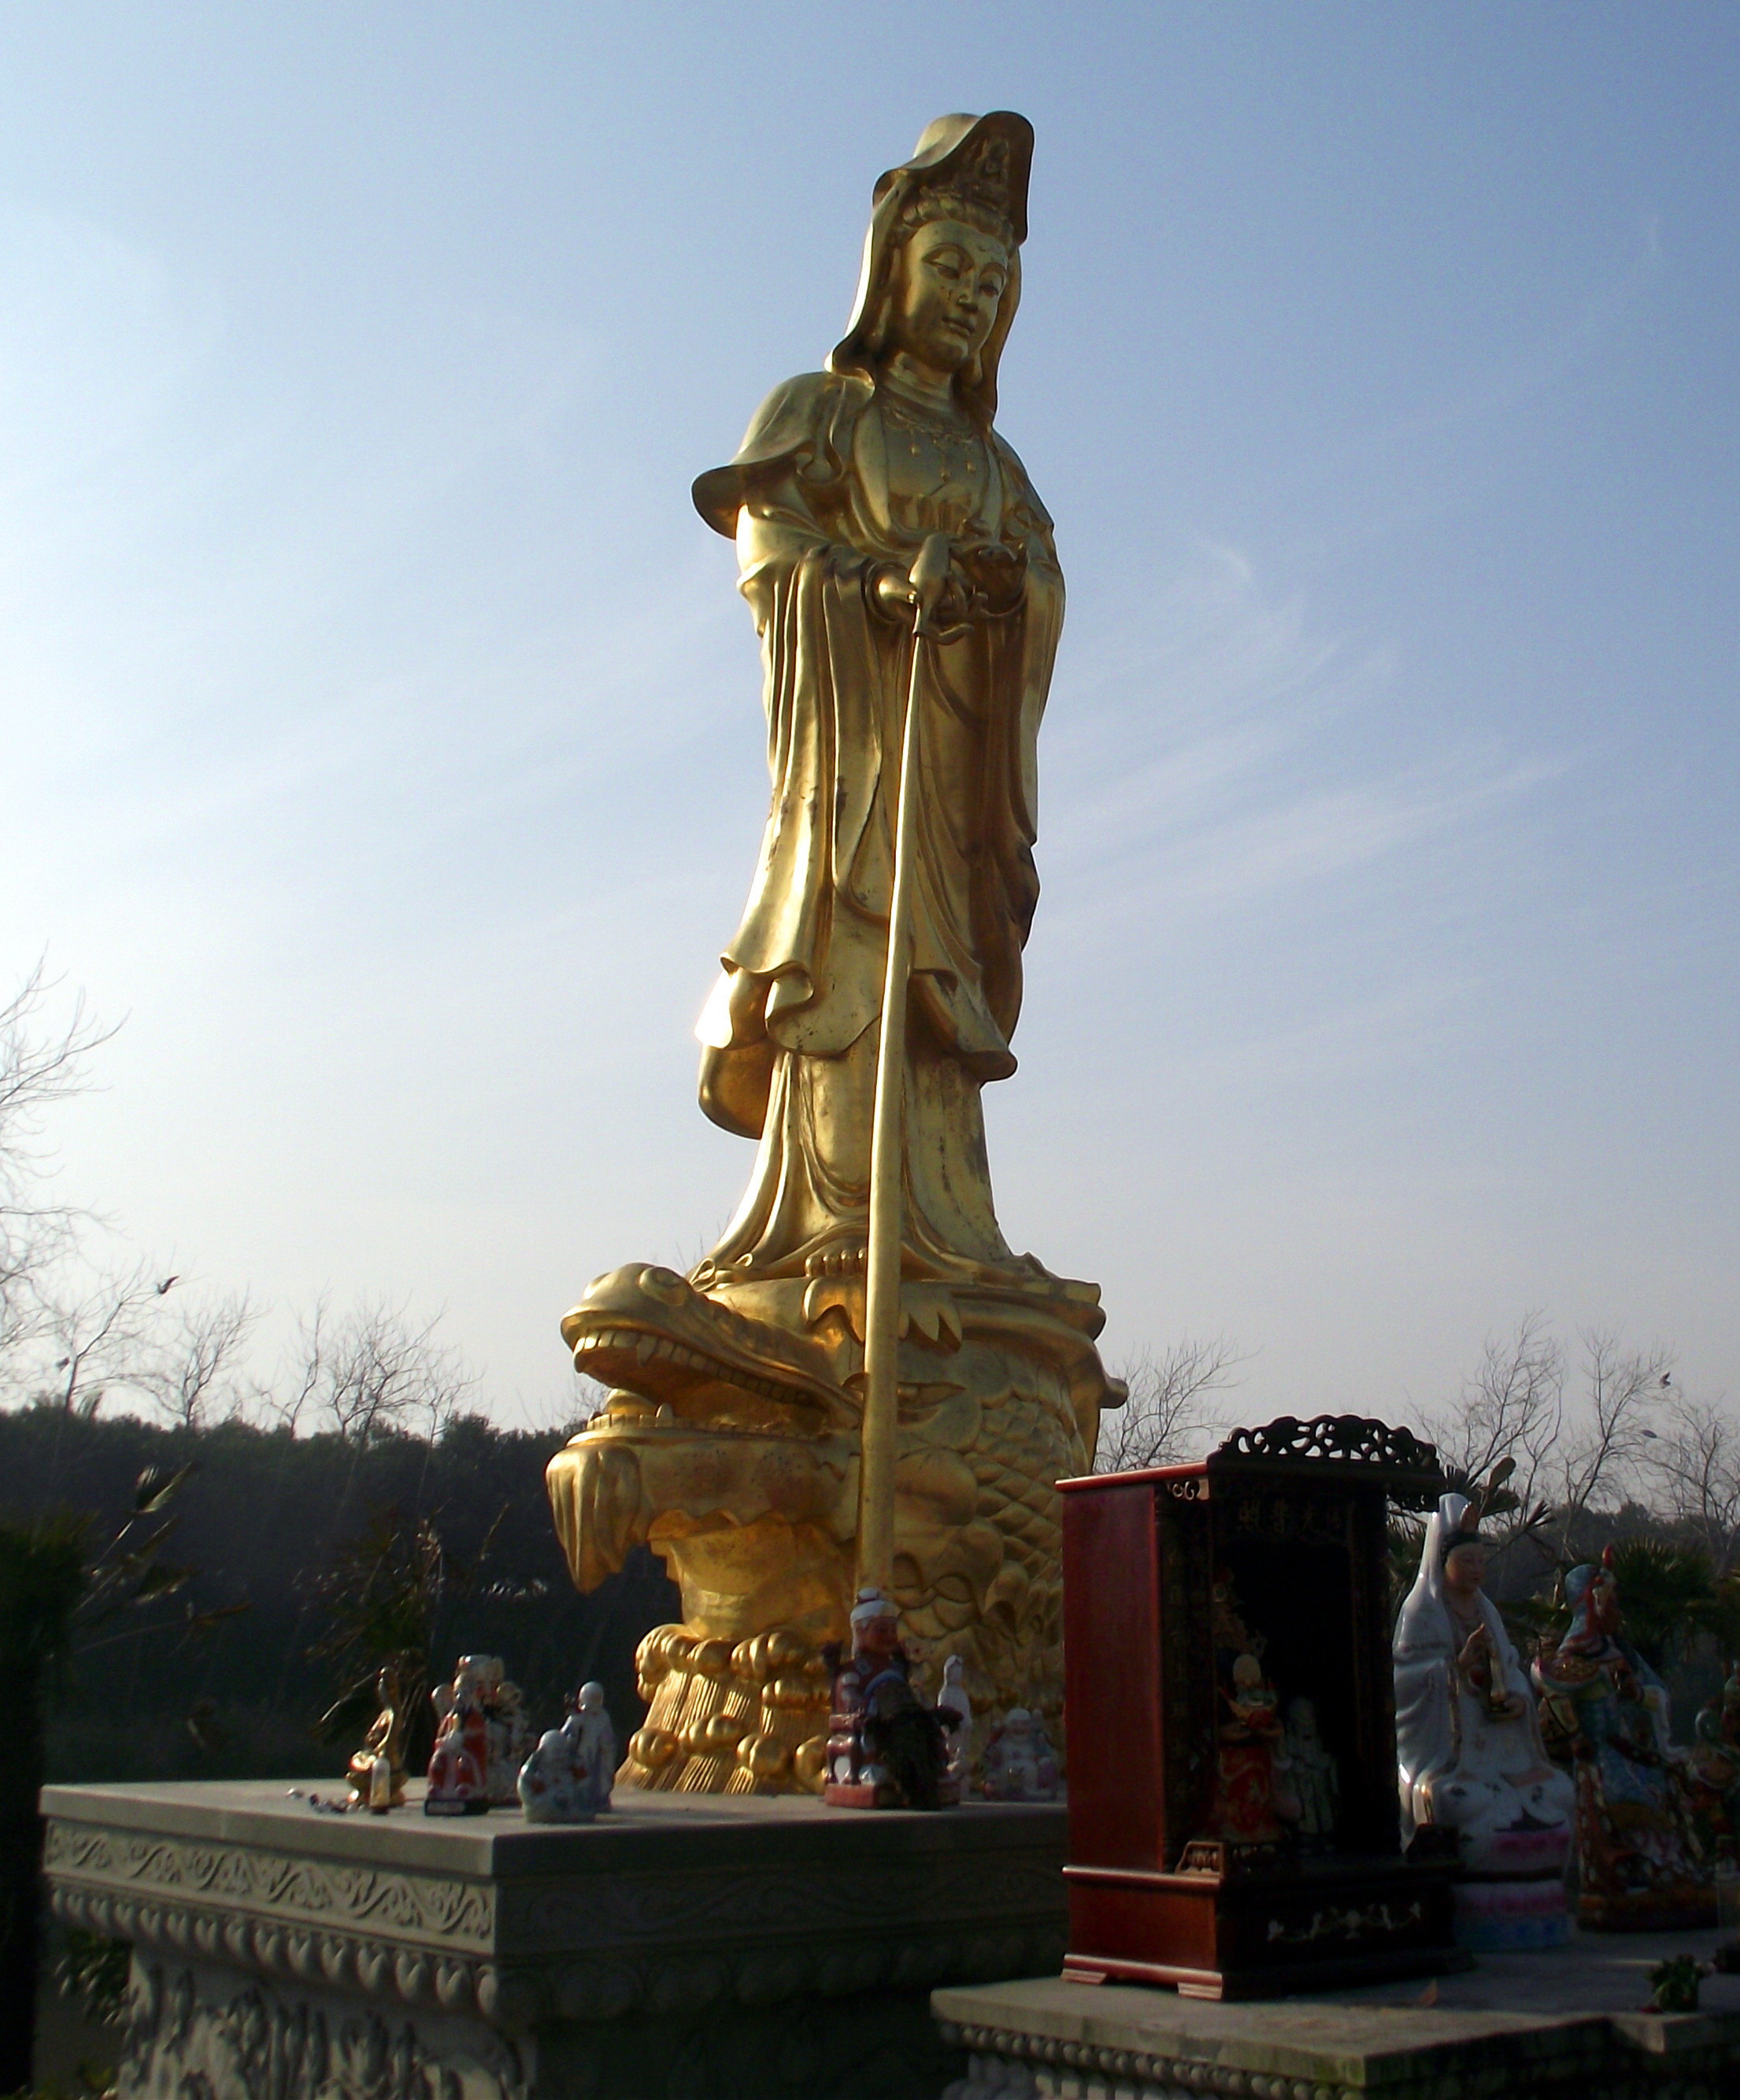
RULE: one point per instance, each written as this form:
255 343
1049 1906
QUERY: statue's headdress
1465 1532
973 169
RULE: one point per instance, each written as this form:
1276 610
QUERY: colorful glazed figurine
1316 1778
1714 1764
884 1749
377 1771
1253 1802
1019 1763
509 1731
596 1738
953 1699
555 1781
1641 1862
459 1770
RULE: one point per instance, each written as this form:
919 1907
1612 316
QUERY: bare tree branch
1608 1455
1167 1414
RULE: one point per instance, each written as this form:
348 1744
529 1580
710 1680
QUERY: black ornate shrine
1212 1844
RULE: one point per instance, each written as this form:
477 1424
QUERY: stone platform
692 1945
1558 2024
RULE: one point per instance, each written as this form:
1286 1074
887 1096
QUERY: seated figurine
597 1739
1019 1762
377 1771
555 1781
1468 1741
884 1749
1642 1862
459 1770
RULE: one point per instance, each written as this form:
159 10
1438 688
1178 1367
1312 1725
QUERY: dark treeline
263 1519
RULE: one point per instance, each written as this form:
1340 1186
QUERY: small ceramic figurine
377 1771
459 1770
1019 1765
953 1699
510 1733
597 1739
1253 1802
1715 1763
885 1749
1316 1779
1253 1799
555 1781
1642 1862
1468 1745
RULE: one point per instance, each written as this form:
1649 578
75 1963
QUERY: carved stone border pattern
1008 2065
996 2053
756 1940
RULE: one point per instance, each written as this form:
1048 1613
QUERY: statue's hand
932 590
996 577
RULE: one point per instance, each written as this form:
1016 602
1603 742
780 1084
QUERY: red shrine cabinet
1234 1827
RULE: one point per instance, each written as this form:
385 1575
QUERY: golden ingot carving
731 1442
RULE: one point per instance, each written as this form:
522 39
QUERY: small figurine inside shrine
1470 1759
1253 1794
886 1747
1642 1862
1315 1777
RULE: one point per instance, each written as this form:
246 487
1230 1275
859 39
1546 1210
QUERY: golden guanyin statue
731 1442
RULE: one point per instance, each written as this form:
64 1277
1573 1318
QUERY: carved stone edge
1133 2074
292 1950
1122 2068
600 1985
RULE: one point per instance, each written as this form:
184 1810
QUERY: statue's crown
981 176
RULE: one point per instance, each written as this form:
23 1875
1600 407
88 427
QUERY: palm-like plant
59 1594
1668 1595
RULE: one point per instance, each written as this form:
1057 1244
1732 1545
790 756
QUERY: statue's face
947 287
1465 1569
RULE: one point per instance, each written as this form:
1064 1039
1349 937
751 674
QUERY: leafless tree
96 1329
1695 1461
1168 1415
1606 1454
369 1372
1512 1407
41 1064
197 1361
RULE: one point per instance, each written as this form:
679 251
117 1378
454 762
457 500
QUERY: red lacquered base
1213 1935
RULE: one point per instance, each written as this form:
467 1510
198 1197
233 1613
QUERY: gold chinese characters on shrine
732 1438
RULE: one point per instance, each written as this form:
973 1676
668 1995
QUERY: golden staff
882 1419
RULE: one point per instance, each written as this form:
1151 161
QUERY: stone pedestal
684 1944
1561 2025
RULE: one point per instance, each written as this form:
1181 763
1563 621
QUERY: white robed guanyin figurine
1468 1740
953 1699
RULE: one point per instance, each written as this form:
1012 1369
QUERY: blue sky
384 729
